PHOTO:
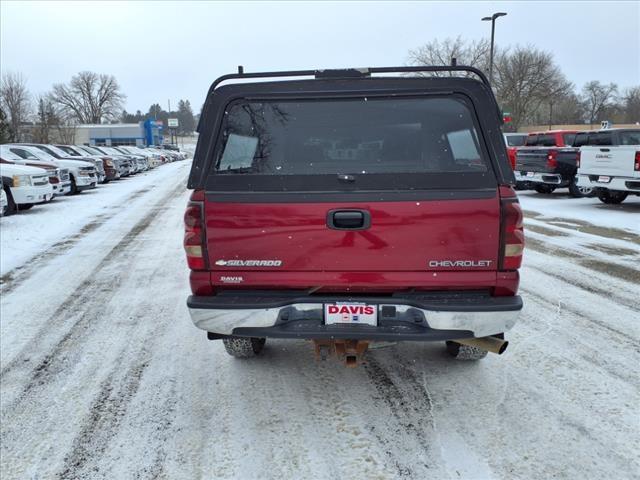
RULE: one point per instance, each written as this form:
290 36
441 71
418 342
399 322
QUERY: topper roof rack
348 73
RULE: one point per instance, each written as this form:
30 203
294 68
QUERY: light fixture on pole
492 18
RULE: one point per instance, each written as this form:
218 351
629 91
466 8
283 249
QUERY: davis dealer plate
350 313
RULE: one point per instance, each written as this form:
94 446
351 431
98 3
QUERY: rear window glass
355 136
515 140
581 139
569 138
630 137
547 140
600 138
532 140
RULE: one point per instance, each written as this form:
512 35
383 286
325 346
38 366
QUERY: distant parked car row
35 173
604 163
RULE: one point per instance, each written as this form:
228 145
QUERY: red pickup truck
346 207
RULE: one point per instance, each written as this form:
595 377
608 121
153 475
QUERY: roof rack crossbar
349 73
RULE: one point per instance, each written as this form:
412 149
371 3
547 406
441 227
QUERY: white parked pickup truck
610 163
24 186
82 174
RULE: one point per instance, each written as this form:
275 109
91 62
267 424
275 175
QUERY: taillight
511 230
578 159
552 159
636 165
194 237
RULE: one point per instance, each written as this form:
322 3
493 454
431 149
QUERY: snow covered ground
104 376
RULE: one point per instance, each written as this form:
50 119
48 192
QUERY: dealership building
149 132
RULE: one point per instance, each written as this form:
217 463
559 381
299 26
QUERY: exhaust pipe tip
491 344
503 347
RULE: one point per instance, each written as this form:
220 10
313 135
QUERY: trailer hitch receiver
350 352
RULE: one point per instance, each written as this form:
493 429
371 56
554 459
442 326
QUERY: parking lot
104 376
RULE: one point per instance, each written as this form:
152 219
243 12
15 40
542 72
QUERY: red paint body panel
358 281
394 253
511 153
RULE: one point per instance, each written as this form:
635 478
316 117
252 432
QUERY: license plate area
604 179
350 314
530 174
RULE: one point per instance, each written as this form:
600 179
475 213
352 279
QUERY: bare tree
565 109
89 97
66 132
526 78
16 101
473 54
631 105
597 97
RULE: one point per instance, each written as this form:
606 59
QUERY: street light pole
492 18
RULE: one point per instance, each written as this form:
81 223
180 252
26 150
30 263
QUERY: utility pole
492 18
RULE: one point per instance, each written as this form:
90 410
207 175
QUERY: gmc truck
344 207
548 161
610 163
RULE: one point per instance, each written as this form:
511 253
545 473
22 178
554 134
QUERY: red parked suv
348 207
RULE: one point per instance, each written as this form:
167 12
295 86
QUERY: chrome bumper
621 184
480 323
537 177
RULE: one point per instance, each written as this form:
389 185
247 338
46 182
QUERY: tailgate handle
605 150
348 219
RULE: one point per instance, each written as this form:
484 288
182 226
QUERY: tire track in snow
591 356
105 416
13 278
108 409
89 293
583 314
411 408
624 301
334 409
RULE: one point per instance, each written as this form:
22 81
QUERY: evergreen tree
5 128
185 117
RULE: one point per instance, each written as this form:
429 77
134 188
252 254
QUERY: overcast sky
172 50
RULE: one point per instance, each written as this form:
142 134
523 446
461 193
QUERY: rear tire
579 192
544 189
611 198
243 347
465 352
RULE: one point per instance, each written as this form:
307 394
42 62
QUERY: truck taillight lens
194 237
511 230
552 159
578 159
636 165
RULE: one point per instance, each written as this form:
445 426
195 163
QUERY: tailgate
532 159
609 161
432 235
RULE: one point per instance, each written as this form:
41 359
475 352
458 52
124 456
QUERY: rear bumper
621 184
410 317
541 177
